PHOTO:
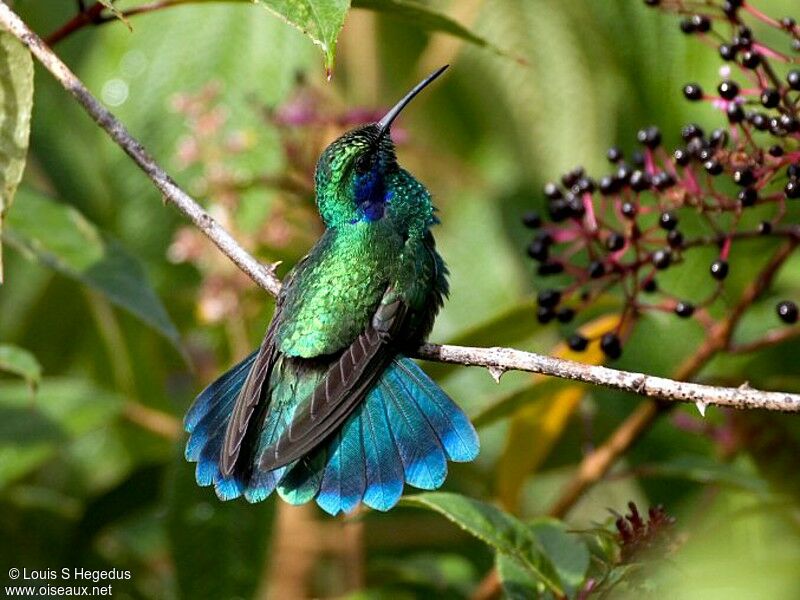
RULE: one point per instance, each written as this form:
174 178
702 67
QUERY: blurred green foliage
129 312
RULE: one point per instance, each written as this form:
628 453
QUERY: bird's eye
363 163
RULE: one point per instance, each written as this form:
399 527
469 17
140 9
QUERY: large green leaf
321 20
426 18
61 238
16 103
504 532
20 362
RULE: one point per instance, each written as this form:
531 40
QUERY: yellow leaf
537 426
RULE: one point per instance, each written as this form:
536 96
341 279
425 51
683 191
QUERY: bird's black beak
386 122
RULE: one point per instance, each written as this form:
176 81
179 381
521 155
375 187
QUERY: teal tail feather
404 431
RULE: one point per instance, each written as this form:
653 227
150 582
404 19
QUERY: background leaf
427 19
16 104
567 552
503 532
62 239
219 547
20 362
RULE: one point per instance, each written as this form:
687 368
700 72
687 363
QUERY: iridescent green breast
334 292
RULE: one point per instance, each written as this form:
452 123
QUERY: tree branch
505 359
496 359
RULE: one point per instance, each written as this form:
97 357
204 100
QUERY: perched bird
329 408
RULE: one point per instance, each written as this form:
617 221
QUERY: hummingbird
330 408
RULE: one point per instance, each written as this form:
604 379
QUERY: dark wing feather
249 399
246 404
344 386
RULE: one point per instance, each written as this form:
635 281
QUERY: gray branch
497 360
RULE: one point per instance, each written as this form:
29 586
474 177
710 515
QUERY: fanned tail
404 431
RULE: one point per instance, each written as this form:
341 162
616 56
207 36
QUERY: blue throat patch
371 195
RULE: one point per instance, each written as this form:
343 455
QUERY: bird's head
351 176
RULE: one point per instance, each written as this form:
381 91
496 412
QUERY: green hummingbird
329 408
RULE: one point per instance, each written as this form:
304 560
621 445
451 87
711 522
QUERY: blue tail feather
404 431
211 400
384 468
423 458
212 408
344 480
452 427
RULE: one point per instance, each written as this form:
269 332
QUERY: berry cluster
638 537
736 182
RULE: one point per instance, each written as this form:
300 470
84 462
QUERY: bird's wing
246 404
251 395
344 386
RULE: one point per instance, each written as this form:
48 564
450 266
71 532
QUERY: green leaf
20 362
427 19
62 239
568 553
16 103
504 532
33 433
519 582
321 20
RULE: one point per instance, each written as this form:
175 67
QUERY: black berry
751 59
792 189
747 197
615 241
544 314
728 89
549 298
611 345
675 239
744 177
713 166
770 98
596 269
552 191
614 154
719 269
684 309
577 342
661 259
727 52
565 315
787 311
693 91
793 79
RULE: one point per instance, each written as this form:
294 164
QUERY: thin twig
94 16
496 358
